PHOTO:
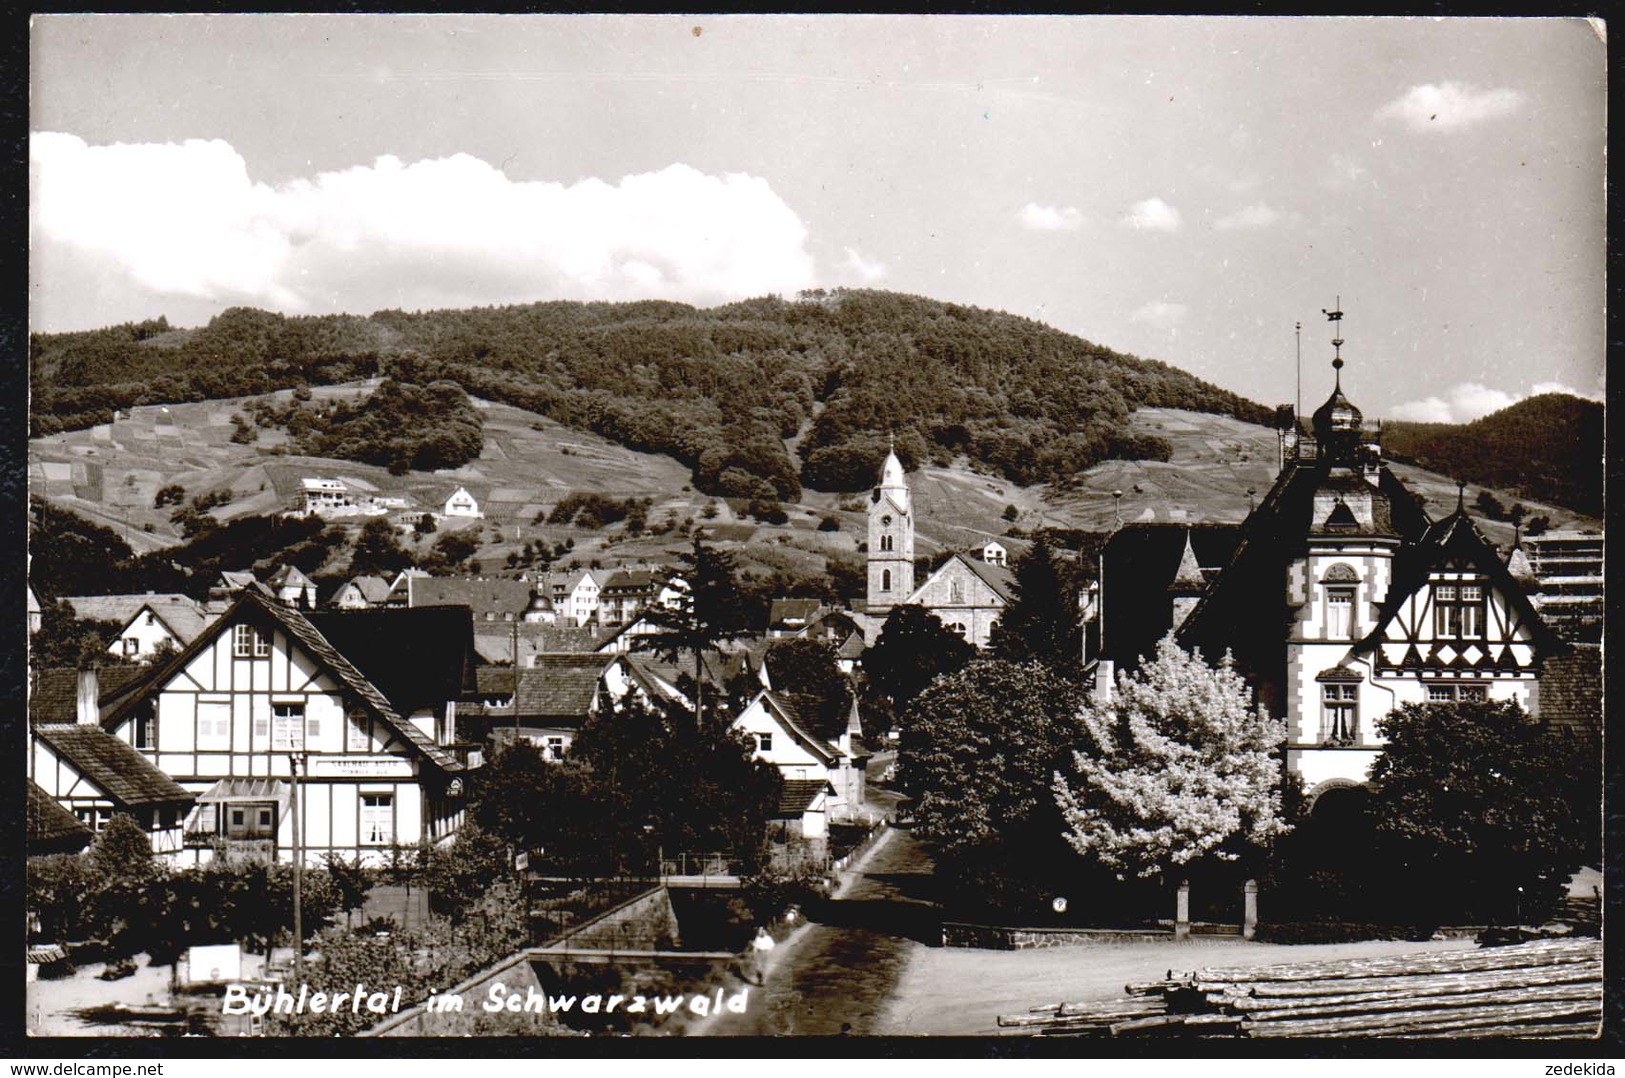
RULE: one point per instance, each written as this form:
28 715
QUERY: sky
1179 188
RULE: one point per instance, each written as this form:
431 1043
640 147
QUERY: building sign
367 767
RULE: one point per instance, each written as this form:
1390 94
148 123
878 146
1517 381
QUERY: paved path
839 969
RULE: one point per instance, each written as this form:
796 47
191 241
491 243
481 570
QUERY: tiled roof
495 641
798 795
50 823
184 616
800 611
633 581
120 772
54 697
288 575
372 588
798 714
252 604
1571 689
561 686
499 597
851 648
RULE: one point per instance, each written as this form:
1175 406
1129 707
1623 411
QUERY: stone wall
1003 938
644 923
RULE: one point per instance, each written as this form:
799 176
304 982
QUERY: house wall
787 754
959 597
218 687
142 637
80 796
1313 647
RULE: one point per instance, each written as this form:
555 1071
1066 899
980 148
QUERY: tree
64 639
977 754
1483 810
708 613
1042 621
377 552
1176 767
451 551
807 668
913 649
425 525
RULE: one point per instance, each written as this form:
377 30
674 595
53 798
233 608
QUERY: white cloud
185 219
1469 401
1258 215
1160 314
1558 387
1153 214
1448 106
857 267
1050 218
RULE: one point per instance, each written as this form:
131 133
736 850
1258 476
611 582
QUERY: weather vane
1336 316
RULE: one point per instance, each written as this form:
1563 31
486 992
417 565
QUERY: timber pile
1544 989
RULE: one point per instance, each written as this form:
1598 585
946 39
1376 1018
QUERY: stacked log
1544 989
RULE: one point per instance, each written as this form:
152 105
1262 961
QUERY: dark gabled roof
112 766
797 714
562 686
1142 561
493 681
418 657
253 606
1240 609
49 824
851 648
798 795
373 588
802 611
182 615
500 597
55 694
633 581
1455 541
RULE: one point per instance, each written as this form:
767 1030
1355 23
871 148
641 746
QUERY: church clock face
885 522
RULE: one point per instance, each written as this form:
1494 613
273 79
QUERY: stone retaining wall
1004 938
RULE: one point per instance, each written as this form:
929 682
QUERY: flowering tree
1179 768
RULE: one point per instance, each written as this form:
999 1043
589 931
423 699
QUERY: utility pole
294 762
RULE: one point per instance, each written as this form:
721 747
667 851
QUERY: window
1339 612
885 580
377 819
1449 694
1337 712
288 726
885 542
146 730
152 619
248 820
94 818
555 748
213 724
248 642
1458 610
764 742
358 741
132 646
956 593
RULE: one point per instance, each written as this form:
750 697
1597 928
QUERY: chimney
88 714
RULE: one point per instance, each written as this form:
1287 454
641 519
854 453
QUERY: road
837 973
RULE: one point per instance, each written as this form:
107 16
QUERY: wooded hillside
718 389
1547 447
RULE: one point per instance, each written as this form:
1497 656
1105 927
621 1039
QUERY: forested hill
1547 448
719 388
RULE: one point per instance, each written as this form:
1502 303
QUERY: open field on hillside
111 472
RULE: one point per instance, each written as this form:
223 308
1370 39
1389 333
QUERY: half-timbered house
356 720
1339 598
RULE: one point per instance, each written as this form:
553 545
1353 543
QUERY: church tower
891 540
